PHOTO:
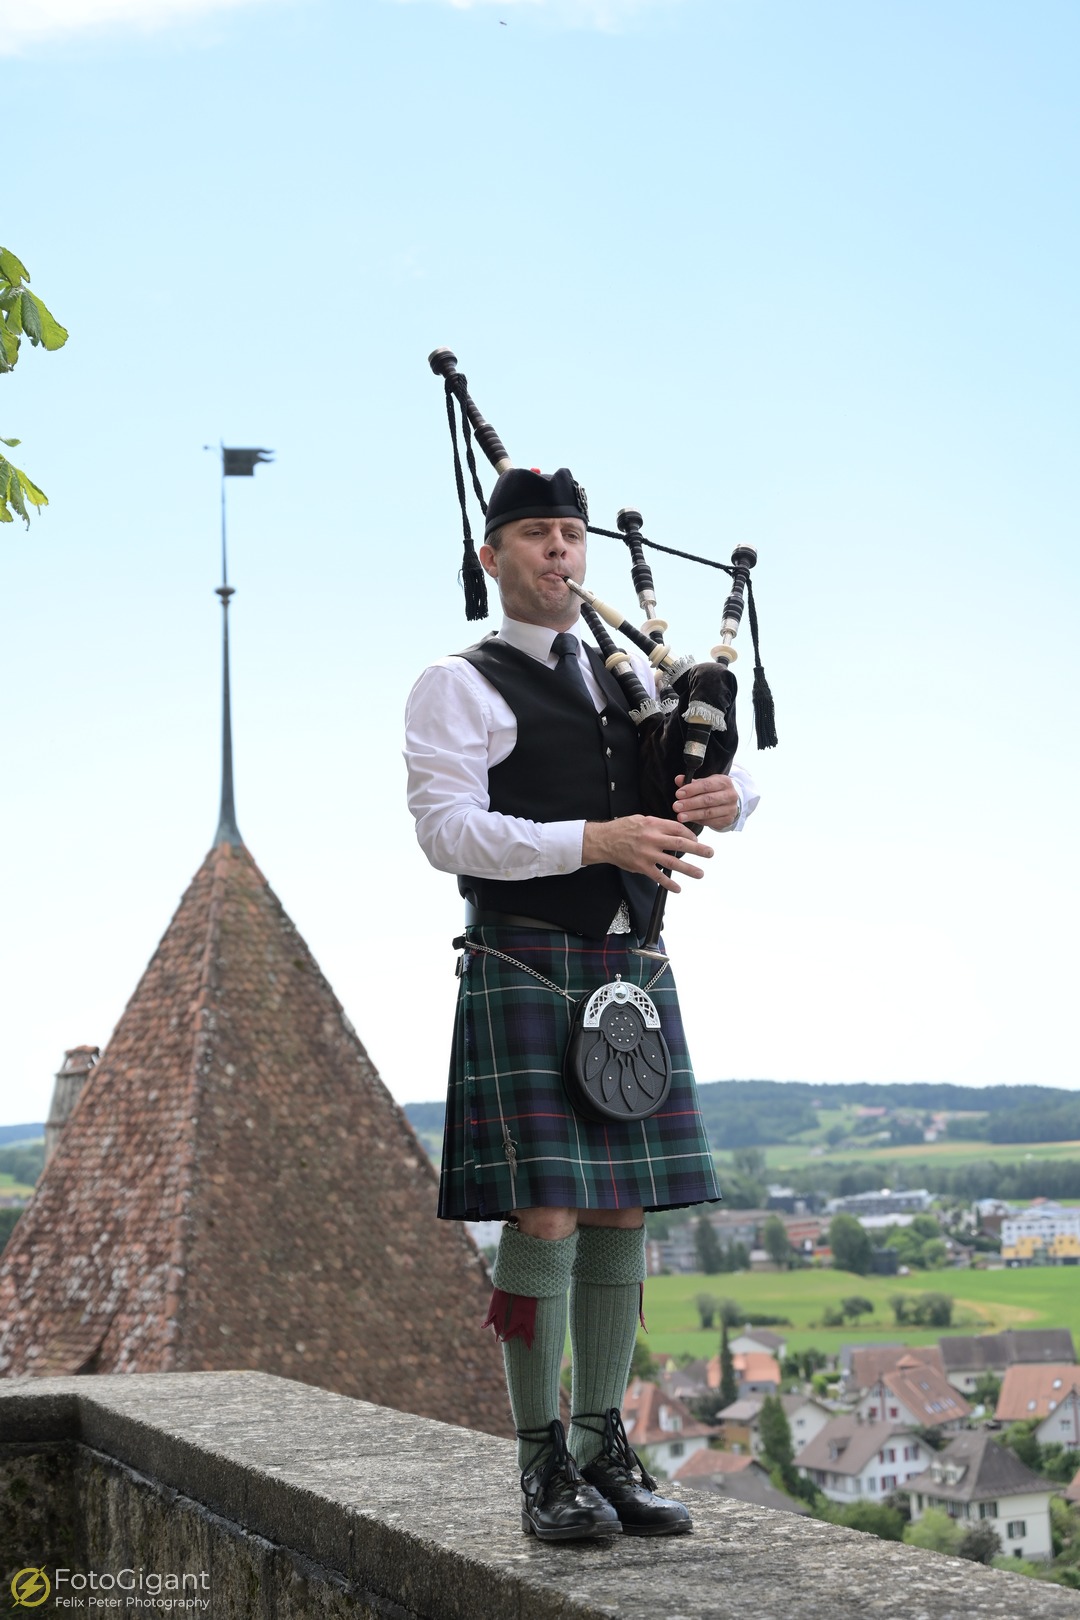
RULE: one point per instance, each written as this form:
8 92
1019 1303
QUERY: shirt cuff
737 824
560 847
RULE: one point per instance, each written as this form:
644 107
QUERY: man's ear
489 560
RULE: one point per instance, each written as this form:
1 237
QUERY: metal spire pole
227 830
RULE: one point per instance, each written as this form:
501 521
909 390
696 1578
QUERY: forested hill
749 1113
753 1113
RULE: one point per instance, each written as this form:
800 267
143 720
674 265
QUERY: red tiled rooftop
1034 1391
236 1188
709 1461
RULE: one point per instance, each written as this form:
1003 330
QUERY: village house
916 1393
687 1383
863 1365
852 1460
974 1478
661 1425
966 1356
737 1423
756 1372
806 1418
1051 1394
758 1339
740 1477
741 1422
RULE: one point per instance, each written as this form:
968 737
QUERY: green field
8 1184
797 1155
986 1302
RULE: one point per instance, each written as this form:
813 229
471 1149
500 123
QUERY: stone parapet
297 1502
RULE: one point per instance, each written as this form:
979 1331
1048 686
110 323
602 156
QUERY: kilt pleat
511 1139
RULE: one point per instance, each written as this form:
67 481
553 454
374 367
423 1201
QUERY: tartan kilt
511 1139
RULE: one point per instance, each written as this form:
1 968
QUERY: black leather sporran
617 1065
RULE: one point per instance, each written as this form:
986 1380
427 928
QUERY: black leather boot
557 1504
619 1474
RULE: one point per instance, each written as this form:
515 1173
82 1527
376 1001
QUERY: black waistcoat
568 764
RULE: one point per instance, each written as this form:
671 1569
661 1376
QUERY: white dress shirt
457 726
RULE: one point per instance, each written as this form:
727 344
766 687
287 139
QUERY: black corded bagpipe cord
473 578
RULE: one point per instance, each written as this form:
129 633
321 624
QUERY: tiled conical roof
236 1188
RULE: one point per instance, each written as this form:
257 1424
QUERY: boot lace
560 1461
616 1447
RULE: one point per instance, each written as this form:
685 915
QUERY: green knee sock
536 1272
605 1297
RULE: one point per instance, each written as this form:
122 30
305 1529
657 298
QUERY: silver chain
471 945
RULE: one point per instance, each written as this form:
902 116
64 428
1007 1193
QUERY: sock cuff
610 1256
535 1267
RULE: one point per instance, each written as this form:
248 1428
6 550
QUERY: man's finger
677 865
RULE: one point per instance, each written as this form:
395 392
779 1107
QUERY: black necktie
568 669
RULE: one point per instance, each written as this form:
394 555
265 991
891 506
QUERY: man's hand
643 844
712 801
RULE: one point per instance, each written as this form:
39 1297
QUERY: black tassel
474 584
764 713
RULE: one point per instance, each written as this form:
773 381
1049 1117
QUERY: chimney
70 1079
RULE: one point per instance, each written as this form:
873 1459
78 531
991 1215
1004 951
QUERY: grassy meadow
797 1155
985 1302
8 1184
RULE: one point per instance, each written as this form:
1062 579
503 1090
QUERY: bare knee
547 1223
611 1217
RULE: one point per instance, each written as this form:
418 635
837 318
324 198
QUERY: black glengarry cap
522 492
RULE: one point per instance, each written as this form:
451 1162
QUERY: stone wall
282 1500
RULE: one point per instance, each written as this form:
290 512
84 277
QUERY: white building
974 1478
1042 1222
661 1425
850 1460
1049 1395
914 1393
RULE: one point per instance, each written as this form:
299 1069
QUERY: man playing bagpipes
524 781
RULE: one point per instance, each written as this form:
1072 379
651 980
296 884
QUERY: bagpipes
689 726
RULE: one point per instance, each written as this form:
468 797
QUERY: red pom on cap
535 470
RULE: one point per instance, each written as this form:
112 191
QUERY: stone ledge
346 1508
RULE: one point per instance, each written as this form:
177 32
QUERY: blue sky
798 274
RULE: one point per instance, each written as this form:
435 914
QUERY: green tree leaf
11 491
15 490
11 268
31 318
21 313
12 308
51 334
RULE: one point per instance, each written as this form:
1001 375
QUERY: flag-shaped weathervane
242 463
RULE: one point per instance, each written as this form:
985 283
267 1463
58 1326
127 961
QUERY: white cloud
573 13
32 21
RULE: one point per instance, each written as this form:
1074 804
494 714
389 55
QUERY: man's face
534 559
